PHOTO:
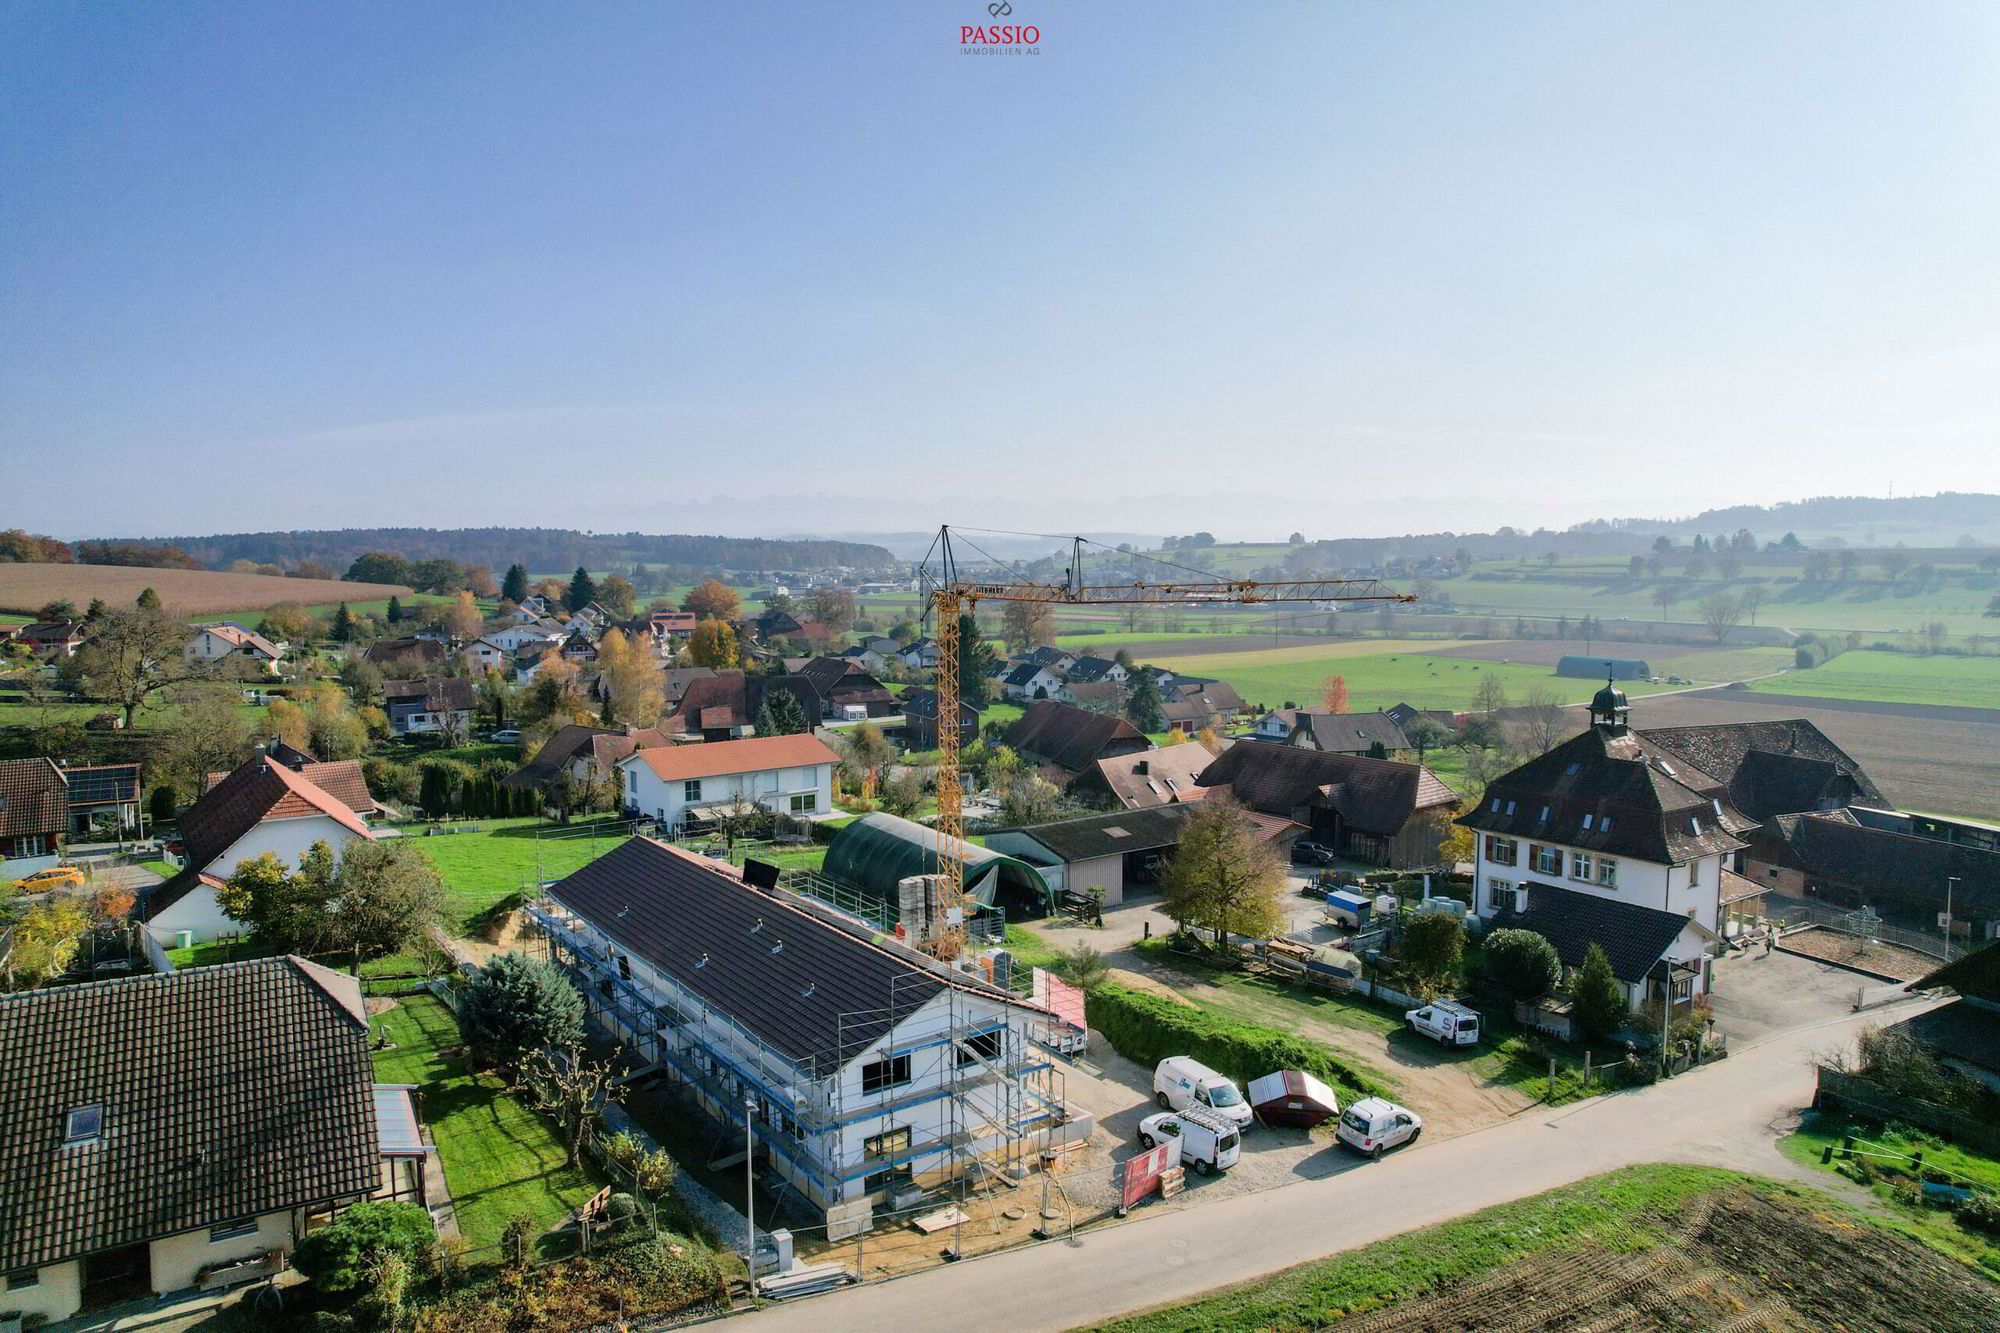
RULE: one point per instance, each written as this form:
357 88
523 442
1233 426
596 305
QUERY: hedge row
1147 1029
1812 651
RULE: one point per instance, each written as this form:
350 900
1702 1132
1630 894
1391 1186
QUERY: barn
1595 668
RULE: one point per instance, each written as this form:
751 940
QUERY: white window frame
1581 866
1495 845
1607 872
1495 889
1546 860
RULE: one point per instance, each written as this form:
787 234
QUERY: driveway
1757 994
1724 1114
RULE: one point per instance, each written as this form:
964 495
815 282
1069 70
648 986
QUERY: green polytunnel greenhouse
877 852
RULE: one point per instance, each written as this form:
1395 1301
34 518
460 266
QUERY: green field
506 856
1898 678
1269 677
500 1158
374 608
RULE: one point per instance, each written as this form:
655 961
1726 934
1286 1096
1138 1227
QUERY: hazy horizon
1351 270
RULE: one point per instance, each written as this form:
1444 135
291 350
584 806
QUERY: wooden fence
1857 1096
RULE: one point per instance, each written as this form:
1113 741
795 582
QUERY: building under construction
874 1070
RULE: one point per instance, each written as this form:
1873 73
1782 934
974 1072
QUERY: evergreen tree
975 663
97 609
582 590
148 600
514 587
1597 999
780 714
343 625
1144 709
395 609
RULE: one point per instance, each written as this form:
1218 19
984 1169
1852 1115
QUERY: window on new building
805 802
886 1144
691 789
986 1044
1502 851
883 1074
1579 866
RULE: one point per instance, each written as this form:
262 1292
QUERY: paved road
1722 1115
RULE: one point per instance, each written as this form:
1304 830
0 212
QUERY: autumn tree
147 600
1433 946
129 657
637 686
1333 694
1026 624
617 596
287 622
462 619
1222 878
47 937
203 731
1491 696
712 599
1426 734
573 1089
863 750
713 644
555 695
834 608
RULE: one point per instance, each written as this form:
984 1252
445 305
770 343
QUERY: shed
876 852
1292 1098
1097 851
1592 668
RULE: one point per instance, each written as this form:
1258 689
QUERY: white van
1447 1022
1371 1126
1208 1143
1180 1083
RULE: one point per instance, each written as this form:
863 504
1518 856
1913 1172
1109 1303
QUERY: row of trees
374 899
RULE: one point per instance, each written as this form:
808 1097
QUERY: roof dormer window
84 1124
1543 817
1605 827
1587 821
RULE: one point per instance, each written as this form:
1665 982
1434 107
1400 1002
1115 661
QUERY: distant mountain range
542 550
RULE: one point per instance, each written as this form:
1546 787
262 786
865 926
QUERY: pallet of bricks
1172 1181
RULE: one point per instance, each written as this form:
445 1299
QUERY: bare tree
573 1089
1542 720
130 656
1721 613
1750 599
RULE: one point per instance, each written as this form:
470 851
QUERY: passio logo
999 38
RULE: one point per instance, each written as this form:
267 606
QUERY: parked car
55 877
1181 1083
506 734
1208 1143
1447 1022
1312 854
1372 1126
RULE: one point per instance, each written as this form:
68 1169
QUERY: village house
1193 703
103 799
845 691
223 643
341 779
920 729
1348 733
1087 669
1166 776
790 775
34 815
407 657
869 1067
53 638
1099 696
922 654
587 758
1771 768
264 806
1834 858
1620 833
430 706
715 707
1125 848
1072 739
1373 810
485 654
1026 682
180 1133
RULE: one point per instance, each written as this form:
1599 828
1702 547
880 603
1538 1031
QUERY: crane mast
953 597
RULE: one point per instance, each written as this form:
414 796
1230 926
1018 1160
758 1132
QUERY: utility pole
1950 883
750 1187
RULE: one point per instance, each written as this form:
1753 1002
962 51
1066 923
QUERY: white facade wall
667 800
57 1293
287 839
1693 887
177 1259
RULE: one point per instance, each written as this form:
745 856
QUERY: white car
1446 1022
506 734
1372 1126
1208 1143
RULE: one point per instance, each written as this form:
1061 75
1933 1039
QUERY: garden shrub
341 1258
1981 1212
1148 1028
1521 963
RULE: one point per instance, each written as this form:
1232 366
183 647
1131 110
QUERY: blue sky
1341 267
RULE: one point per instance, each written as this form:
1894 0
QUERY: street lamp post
750 1186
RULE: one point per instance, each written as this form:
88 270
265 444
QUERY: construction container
1293 1099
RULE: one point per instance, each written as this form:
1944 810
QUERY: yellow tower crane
953 596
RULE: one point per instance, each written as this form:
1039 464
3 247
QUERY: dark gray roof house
1771 768
1349 733
1072 739
207 1096
1357 805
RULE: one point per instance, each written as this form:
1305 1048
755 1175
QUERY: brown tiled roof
428 651
1375 796
341 779
753 755
439 694
1154 777
1771 768
1642 801
1072 738
604 745
261 789
33 797
226 1092
1890 870
724 689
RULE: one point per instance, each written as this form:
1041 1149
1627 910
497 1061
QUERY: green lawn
216 951
1897 678
1623 1212
500 1158
369 608
505 857
1890 1180
1718 665
1377 679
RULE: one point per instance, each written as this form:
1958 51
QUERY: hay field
187 592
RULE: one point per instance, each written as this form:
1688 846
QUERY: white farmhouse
790 775
1613 840
261 807
221 643
869 1066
